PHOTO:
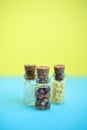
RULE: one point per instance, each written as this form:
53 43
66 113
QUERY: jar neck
26 77
59 77
43 80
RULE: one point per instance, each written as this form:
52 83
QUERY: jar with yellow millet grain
58 88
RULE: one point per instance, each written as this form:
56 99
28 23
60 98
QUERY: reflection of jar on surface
29 84
58 91
42 93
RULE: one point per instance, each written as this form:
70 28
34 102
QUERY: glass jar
42 91
29 84
42 95
58 89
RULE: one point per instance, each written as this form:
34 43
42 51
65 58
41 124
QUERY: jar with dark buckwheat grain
42 92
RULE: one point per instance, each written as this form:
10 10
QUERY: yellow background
43 32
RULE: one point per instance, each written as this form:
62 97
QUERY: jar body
42 96
29 92
58 91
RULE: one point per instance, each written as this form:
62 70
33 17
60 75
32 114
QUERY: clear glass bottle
29 85
58 90
42 91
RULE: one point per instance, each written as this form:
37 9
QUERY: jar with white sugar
29 84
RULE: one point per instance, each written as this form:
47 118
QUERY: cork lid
42 71
59 69
30 66
29 69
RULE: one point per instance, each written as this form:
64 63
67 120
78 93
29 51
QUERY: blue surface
14 115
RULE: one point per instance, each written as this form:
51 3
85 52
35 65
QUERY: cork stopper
59 71
42 72
30 71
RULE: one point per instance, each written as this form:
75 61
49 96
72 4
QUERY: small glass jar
29 84
58 90
42 91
